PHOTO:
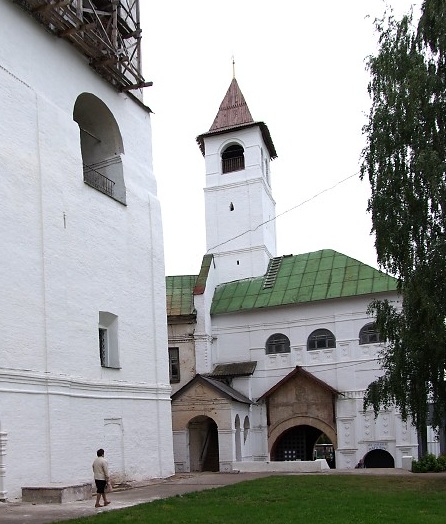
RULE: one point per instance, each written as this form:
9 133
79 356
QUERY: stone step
57 493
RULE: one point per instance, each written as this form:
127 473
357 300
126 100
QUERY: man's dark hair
100 452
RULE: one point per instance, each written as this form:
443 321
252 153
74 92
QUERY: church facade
82 310
270 355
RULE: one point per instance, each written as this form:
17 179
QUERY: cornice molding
30 382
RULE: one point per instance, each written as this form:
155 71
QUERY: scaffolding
107 32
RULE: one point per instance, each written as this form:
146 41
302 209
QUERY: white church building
83 360
269 355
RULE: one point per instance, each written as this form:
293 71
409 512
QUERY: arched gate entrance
298 443
379 458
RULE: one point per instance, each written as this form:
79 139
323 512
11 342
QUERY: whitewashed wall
68 252
348 368
247 255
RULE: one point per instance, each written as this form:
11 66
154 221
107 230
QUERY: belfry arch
101 146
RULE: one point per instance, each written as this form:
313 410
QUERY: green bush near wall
429 463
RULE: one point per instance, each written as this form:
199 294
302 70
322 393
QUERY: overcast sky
301 68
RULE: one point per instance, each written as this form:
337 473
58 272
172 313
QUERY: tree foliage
405 162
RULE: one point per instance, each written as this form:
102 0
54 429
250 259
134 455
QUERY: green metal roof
179 295
180 290
309 277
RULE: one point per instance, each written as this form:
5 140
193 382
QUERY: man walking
101 477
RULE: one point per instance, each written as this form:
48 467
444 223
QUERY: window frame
174 359
319 335
103 345
276 340
108 340
367 330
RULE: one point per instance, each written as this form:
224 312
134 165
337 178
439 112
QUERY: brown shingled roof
233 110
296 371
233 114
234 369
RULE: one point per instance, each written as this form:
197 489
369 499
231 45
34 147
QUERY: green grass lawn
306 499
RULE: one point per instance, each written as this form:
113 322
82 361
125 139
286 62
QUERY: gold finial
233 67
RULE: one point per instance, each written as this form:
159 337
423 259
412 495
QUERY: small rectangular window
174 365
103 345
108 340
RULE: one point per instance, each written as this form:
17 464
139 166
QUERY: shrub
429 463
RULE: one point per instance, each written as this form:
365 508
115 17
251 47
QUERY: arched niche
101 146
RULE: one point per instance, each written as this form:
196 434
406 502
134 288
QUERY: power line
287 211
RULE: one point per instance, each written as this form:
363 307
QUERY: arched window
246 427
277 343
101 146
369 334
238 443
321 339
232 159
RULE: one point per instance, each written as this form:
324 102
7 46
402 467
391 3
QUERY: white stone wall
203 327
68 252
348 368
247 255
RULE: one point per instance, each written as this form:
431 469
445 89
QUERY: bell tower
239 206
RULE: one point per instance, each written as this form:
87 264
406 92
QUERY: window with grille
108 340
101 147
233 159
103 345
369 334
174 365
321 339
277 343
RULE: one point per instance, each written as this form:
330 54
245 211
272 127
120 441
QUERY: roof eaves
234 369
263 128
225 390
182 319
298 370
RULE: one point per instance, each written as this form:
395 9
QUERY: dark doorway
203 444
379 458
296 444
